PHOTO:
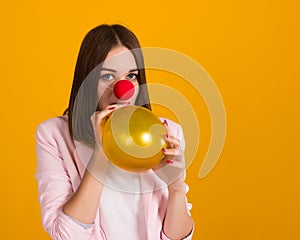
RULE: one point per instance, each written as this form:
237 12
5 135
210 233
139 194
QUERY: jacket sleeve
55 188
177 131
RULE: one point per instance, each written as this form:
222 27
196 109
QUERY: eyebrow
113 70
108 69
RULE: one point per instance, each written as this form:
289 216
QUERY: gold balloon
133 138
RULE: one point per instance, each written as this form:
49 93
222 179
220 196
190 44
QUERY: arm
178 223
65 212
84 203
55 188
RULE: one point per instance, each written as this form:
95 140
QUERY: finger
171 152
172 141
167 128
99 118
169 137
100 115
93 118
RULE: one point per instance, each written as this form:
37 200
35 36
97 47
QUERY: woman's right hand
97 163
98 119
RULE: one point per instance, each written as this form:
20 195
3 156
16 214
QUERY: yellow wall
251 49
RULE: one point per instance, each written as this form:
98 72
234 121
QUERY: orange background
251 49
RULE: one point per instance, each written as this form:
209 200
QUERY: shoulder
56 122
53 127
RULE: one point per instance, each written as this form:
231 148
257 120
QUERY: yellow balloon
133 138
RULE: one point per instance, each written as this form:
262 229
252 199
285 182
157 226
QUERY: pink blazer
121 215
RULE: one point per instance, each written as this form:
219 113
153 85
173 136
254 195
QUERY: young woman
77 199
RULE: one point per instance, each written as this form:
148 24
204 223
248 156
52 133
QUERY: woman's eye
107 77
132 76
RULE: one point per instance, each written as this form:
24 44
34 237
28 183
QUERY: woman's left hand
172 167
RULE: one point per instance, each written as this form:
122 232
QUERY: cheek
136 91
103 90
100 89
136 88
100 92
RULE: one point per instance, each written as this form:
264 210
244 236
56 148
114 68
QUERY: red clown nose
124 89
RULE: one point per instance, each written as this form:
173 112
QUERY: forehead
120 59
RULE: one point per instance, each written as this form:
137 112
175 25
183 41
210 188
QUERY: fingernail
167 135
163 149
111 108
165 122
169 161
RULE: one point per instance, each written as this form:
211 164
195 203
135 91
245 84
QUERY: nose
124 89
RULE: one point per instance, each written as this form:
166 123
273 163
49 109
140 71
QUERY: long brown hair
93 51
